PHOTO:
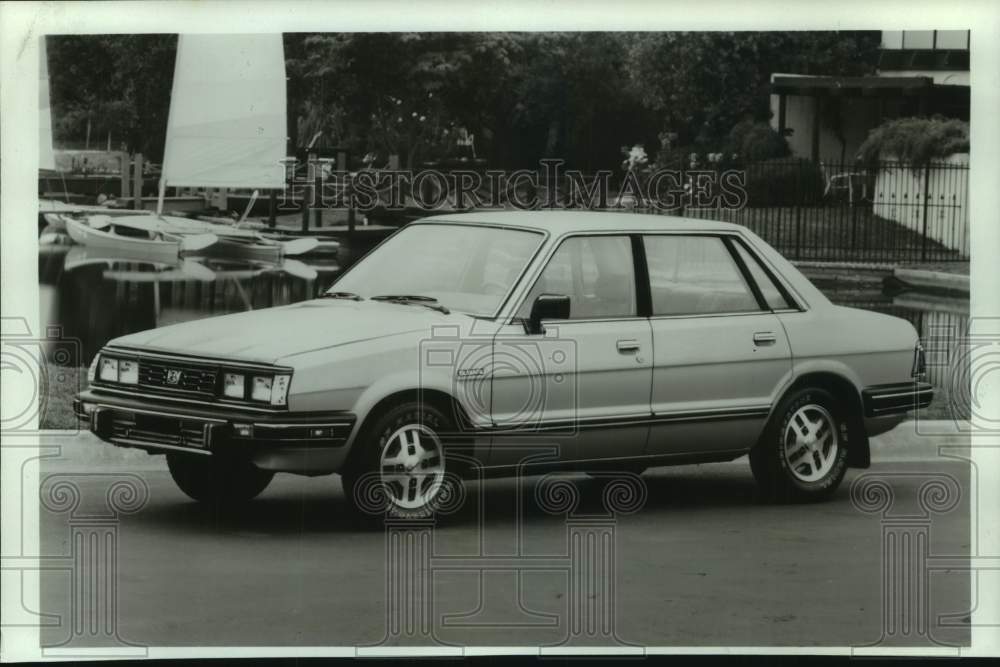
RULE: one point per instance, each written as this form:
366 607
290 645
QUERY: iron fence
889 212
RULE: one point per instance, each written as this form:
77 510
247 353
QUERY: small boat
53 236
108 235
233 241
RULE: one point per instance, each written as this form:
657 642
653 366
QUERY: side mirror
547 307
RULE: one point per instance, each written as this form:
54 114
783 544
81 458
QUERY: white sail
46 156
227 122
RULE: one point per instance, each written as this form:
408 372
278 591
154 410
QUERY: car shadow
492 503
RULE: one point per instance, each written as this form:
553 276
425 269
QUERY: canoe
149 244
233 241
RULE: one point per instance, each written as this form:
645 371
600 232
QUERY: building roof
849 85
561 221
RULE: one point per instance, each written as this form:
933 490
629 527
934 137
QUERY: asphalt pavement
691 557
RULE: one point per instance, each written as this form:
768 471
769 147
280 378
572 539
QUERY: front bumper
161 425
892 399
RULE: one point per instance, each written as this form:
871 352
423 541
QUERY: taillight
919 362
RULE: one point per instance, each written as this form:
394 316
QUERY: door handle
629 345
764 338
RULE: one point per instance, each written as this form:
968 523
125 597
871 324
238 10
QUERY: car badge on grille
173 376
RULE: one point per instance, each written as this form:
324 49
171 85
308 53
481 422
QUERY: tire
216 479
802 454
399 467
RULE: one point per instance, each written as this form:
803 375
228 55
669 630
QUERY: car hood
273 334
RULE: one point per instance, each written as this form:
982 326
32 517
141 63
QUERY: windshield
464 267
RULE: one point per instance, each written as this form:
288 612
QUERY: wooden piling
137 182
126 167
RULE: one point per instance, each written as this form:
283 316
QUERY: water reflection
942 322
95 298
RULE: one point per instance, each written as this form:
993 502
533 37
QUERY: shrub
755 141
915 140
784 182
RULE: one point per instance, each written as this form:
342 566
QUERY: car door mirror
547 307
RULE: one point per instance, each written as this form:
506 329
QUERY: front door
580 391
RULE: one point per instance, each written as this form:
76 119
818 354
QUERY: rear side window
695 275
772 295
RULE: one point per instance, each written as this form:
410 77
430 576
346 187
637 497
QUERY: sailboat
226 129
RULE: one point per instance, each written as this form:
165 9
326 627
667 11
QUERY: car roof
562 221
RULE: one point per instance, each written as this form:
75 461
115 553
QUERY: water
94 299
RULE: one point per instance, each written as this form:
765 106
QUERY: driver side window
596 273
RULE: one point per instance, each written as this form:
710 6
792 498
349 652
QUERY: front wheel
802 455
399 467
215 479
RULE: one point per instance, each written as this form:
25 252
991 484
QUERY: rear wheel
216 479
802 455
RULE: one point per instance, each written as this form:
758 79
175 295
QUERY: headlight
262 388
234 385
109 369
279 393
92 371
128 371
265 388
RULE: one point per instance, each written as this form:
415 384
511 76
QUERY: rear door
720 353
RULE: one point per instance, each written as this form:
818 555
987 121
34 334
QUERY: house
920 73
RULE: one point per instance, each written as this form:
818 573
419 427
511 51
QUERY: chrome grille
189 378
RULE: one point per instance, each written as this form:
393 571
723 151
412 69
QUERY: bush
755 141
915 140
784 182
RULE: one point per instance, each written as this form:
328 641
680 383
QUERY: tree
117 84
703 83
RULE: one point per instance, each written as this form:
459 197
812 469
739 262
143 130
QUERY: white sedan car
518 342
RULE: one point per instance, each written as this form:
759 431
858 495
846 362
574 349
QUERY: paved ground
702 563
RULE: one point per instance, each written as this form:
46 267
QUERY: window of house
918 39
952 39
695 275
595 272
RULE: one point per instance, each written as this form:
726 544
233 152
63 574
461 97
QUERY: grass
60 384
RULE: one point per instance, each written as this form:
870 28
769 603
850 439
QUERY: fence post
798 211
854 217
927 200
318 195
684 191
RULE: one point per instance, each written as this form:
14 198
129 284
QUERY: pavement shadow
291 509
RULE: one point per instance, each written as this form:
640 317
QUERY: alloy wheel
412 466
811 443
